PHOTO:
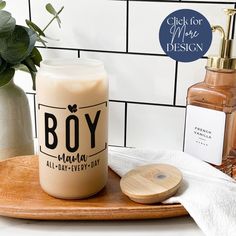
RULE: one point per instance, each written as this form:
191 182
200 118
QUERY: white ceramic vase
15 122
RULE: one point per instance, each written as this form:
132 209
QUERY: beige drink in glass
72 97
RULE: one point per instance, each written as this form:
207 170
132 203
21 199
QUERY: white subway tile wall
147 89
138 78
155 126
89 24
116 123
188 74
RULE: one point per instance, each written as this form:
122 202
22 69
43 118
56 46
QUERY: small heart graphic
72 108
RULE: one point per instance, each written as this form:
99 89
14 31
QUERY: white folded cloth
206 193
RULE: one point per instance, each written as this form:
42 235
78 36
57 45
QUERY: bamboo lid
151 183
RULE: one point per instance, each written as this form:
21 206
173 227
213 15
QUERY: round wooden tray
22 197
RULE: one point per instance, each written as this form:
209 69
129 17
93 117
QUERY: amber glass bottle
218 92
210 132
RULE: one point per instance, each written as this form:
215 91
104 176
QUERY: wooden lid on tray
151 183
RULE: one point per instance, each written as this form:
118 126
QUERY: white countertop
182 226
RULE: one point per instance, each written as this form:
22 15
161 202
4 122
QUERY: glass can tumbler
72 115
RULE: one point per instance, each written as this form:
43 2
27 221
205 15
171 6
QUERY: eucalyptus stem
50 22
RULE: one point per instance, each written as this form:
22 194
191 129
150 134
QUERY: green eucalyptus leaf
32 73
58 21
57 17
2 4
25 68
39 39
21 67
6 76
36 56
51 9
34 27
33 76
3 65
18 46
33 38
30 64
7 24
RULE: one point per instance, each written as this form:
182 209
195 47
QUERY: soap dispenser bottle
210 128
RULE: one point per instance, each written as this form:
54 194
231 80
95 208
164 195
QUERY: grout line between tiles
127 26
59 48
29 5
103 51
31 93
175 83
125 123
113 145
148 103
107 51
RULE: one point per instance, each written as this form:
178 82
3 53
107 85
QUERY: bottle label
204 133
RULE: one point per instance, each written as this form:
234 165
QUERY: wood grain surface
22 197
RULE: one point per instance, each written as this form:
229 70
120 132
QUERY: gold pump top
224 60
